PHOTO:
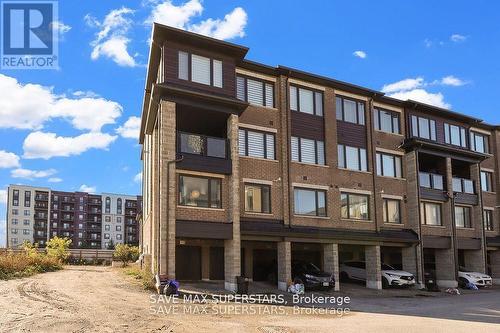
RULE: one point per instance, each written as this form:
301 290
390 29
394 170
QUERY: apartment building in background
249 168
37 214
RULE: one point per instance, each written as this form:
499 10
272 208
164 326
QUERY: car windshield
386 267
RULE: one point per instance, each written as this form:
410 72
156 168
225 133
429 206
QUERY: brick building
36 214
248 168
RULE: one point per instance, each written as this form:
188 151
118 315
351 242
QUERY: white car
479 279
356 270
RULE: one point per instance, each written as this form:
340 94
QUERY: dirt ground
103 299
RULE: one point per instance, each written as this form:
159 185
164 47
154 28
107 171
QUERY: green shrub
59 248
126 253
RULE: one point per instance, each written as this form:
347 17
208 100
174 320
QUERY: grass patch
145 277
22 264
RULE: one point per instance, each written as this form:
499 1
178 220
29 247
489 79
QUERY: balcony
203 153
432 186
95 211
464 190
95 202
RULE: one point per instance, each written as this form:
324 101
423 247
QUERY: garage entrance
307 254
392 256
188 262
265 265
216 263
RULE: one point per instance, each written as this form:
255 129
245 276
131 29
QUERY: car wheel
462 282
344 277
385 282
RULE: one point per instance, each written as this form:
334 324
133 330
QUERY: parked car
312 277
356 270
479 279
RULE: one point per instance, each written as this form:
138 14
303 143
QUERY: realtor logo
29 40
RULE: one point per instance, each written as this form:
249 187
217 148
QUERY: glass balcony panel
425 179
457 185
437 181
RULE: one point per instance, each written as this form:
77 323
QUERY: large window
354 206
455 135
350 110
200 69
306 100
256 144
386 121
15 197
352 158
423 128
118 206
486 181
257 198
431 180
430 213
479 142
309 202
462 217
27 198
308 150
488 220
199 192
389 165
392 208
107 208
255 91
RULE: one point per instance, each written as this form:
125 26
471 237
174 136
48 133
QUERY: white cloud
87 188
138 178
360 54
457 38
60 27
421 95
48 145
8 160
31 174
451 80
231 26
3 197
111 41
29 106
406 84
130 128
54 180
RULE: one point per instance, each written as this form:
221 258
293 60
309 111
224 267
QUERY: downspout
483 231
374 165
454 232
288 143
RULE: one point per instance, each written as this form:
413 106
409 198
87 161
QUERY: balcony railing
431 180
463 185
202 145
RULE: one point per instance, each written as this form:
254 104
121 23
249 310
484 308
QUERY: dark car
312 277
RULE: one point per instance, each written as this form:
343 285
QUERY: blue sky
76 127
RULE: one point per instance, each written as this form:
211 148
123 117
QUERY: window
15 212
203 70
462 217
309 202
15 197
479 142
488 220
431 180
107 227
80 226
350 110
463 185
308 150
118 206
200 192
423 128
257 198
118 228
255 91
14 221
106 236
119 237
107 208
386 121
430 213
256 144
27 198
107 218
352 158
80 216
486 181
26 231
354 206
389 165
118 219
14 231
392 211
26 222
26 212
455 135
307 101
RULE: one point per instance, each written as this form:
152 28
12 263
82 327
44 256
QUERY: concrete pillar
495 266
232 247
373 267
205 262
412 262
284 264
167 190
249 262
331 262
445 268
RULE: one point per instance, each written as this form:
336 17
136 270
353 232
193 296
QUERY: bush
58 248
29 262
126 253
145 276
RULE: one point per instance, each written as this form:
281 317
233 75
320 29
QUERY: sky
76 128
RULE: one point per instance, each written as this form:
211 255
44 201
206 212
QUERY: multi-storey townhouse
36 214
248 168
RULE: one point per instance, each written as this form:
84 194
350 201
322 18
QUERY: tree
58 248
31 249
126 253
